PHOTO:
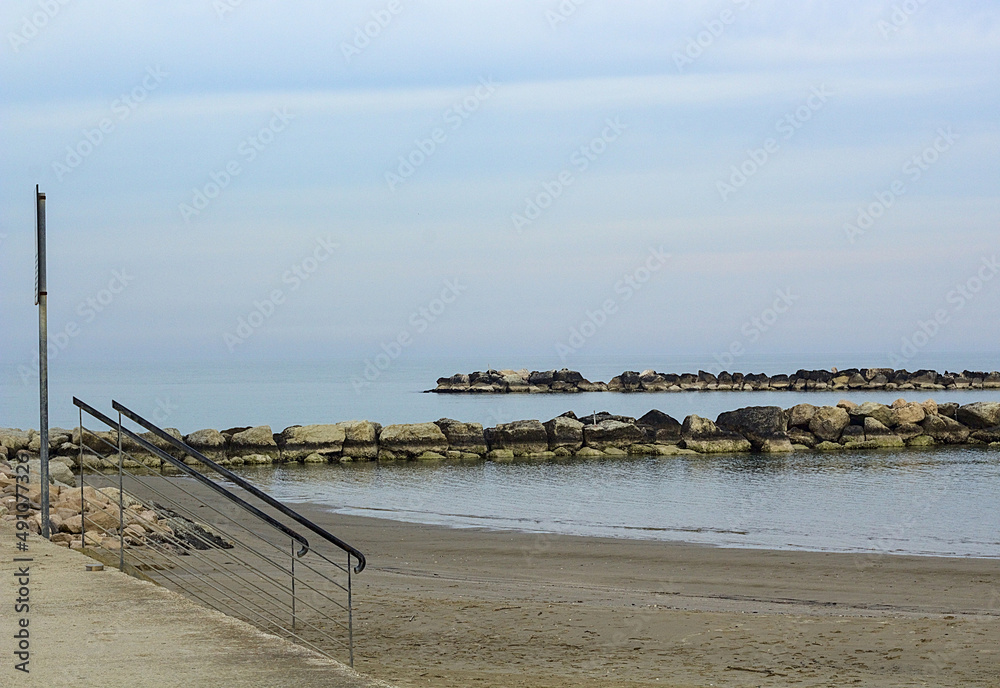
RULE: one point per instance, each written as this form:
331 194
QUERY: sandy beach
449 607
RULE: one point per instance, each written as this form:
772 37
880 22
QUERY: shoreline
457 607
315 507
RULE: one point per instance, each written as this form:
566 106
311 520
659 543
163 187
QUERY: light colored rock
463 437
430 456
829 422
565 433
259 437
906 413
360 439
589 453
945 430
500 455
300 441
800 415
930 407
315 457
412 439
870 409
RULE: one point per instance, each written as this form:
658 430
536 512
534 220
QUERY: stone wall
570 381
766 429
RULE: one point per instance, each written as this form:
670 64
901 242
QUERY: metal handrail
268 499
220 587
197 475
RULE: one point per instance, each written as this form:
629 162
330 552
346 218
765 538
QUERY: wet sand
450 607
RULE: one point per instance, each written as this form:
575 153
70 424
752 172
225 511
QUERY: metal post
41 300
83 507
121 499
293 585
350 612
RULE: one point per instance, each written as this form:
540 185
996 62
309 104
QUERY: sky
257 180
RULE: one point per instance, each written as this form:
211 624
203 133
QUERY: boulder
765 426
257 440
945 430
829 422
412 439
564 432
908 430
59 472
979 415
852 434
523 437
463 437
988 435
360 440
211 443
612 433
800 415
949 409
906 413
803 437
300 441
660 427
705 437
869 409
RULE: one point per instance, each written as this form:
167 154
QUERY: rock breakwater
570 381
766 429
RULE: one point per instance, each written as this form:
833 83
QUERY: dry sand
448 607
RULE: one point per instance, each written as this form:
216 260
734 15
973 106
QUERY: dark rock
759 424
987 435
978 415
949 409
612 433
944 429
542 378
660 427
702 435
522 437
566 375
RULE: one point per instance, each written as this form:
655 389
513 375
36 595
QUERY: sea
935 502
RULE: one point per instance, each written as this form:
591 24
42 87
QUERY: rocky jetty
765 429
570 381
89 517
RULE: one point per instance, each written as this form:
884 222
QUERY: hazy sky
302 180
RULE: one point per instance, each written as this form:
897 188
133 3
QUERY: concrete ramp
109 629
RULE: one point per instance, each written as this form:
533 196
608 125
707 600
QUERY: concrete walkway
109 629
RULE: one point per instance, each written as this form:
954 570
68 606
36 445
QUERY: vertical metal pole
121 499
293 585
83 506
41 300
350 612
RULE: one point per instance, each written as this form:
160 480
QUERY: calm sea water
939 502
